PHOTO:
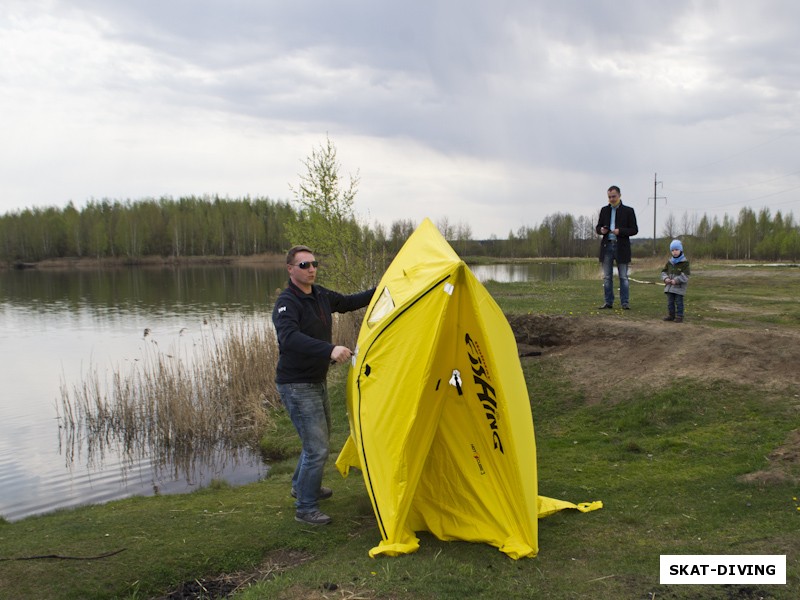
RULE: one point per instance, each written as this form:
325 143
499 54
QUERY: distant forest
211 226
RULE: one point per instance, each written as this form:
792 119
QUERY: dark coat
626 223
304 328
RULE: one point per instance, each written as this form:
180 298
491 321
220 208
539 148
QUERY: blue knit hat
676 245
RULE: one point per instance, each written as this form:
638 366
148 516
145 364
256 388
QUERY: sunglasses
307 263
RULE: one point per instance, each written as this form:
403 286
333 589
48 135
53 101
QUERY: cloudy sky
492 114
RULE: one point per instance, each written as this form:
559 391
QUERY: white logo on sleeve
281 309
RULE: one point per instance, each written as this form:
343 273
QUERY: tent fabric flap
549 506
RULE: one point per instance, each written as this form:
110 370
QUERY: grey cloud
597 88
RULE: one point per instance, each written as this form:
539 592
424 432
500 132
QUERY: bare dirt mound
783 464
650 352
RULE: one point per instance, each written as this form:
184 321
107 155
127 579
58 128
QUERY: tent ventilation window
383 307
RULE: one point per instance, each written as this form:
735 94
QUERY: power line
737 187
737 154
748 201
655 202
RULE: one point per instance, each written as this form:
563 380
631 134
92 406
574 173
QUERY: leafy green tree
723 236
93 230
790 245
72 225
703 228
746 233
562 232
327 223
399 232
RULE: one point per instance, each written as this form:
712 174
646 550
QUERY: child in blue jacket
675 277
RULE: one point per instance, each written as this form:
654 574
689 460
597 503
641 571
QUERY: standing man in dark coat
617 223
303 324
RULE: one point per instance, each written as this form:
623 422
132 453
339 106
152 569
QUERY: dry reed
181 412
177 410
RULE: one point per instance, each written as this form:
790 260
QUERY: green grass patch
666 465
718 295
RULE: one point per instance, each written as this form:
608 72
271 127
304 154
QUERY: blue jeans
609 258
310 411
675 304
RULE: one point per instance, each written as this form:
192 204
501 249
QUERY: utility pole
655 202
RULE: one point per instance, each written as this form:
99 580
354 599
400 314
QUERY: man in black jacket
303 324
617 223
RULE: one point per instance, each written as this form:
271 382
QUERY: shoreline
78 263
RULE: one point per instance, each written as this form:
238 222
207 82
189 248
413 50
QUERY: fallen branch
59 557
600 578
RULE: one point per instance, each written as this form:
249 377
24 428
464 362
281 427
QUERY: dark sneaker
626 307
605 306
324 493
312 517
679 319
669 318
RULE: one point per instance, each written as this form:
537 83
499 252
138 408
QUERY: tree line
187 226
212 226
749 236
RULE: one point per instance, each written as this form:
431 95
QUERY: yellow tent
440 420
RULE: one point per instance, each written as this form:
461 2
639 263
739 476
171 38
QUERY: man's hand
341 354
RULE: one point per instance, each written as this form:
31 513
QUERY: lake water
58 326
537 271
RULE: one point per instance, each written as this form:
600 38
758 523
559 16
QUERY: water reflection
534 271
500 273
157 289
55 327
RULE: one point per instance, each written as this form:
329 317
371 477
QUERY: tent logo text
477 458
487 396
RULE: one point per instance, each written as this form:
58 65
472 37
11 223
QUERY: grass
719 295
667 464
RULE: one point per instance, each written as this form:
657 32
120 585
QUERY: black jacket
626 223
304 327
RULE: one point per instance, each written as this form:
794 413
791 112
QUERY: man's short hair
294 250
615 188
